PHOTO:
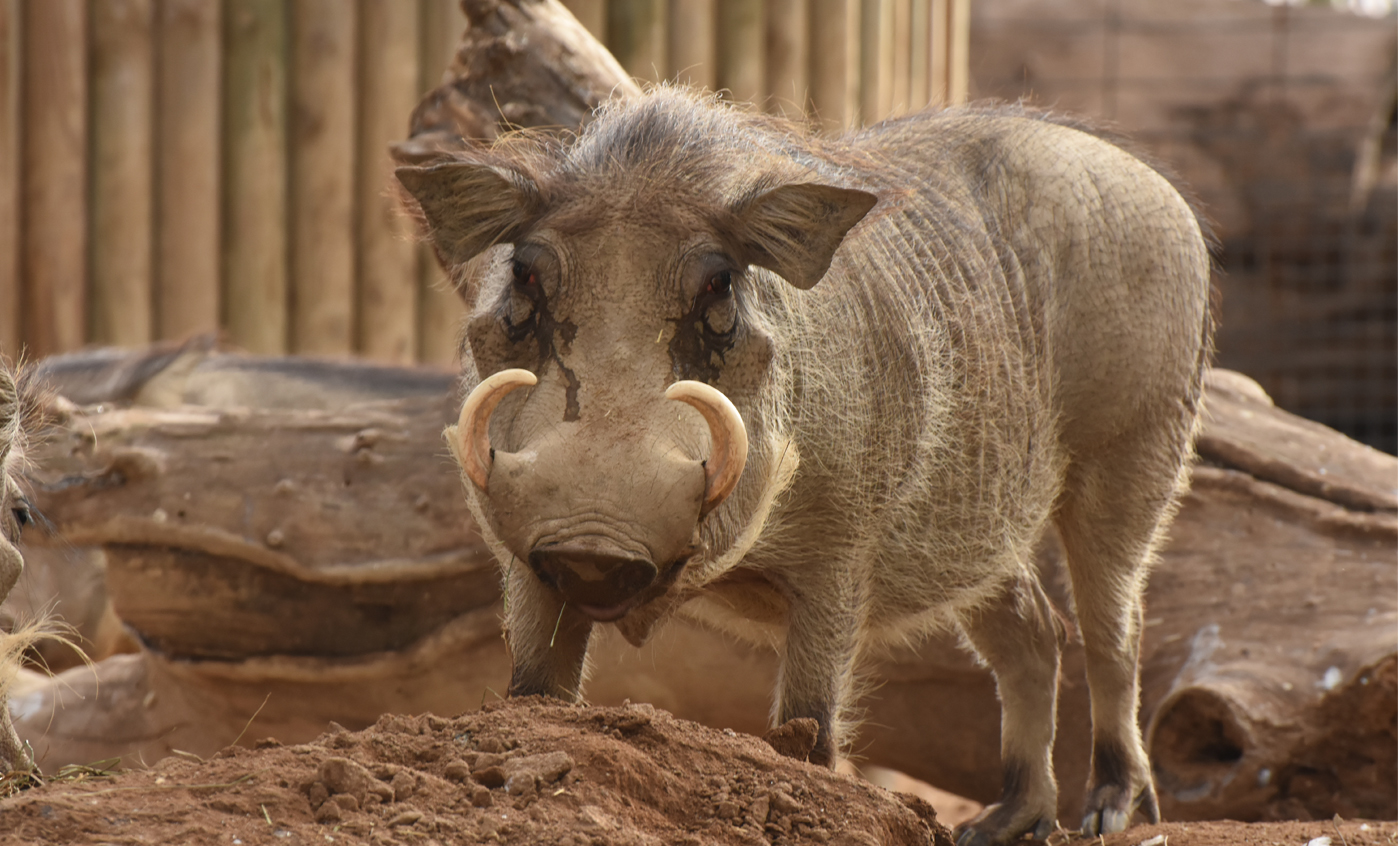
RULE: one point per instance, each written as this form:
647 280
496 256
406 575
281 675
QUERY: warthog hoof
1000 824
1109 808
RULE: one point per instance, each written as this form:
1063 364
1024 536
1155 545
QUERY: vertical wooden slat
440 311
440 28
787 42
740 54
637 36
255 165
54 176
876 59
692 43
9 178
938 52
918 53
593 14
123 94
321 201
959 34
187 168
834 69
899 56
387 305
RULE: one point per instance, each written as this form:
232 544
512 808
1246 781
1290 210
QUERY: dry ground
526 772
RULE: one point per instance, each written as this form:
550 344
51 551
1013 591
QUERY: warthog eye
718 285
21 513
525 275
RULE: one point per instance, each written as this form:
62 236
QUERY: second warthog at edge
912 350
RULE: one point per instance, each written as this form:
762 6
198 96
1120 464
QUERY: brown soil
525 772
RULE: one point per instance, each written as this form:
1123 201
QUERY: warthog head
615 334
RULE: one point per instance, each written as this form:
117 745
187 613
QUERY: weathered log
1271 616
523 64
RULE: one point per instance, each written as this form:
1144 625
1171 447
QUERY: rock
342 775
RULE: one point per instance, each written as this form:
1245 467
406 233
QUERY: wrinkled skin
944 335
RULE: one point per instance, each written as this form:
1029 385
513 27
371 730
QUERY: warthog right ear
470 207
794 230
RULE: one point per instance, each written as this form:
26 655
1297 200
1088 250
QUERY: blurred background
176 167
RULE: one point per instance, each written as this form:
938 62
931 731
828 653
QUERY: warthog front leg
1020 637
819 658
548 640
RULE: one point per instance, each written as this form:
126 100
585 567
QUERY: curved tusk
473 447
729 440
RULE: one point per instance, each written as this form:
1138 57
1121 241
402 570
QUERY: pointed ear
469 207
794 230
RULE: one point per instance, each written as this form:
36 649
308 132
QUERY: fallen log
331 572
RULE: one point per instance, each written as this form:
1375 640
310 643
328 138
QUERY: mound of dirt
534 771
525 771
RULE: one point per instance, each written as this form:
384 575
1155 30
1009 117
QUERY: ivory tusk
473 445
729 440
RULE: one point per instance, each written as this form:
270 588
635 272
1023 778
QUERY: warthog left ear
470 206
794 230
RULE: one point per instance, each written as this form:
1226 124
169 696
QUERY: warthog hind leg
1110 519
1019 636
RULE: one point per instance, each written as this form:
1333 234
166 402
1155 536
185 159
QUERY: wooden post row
173 167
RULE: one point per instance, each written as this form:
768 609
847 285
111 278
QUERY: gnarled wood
523 64
1268 657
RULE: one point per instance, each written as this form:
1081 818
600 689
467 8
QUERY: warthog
912 350
16 406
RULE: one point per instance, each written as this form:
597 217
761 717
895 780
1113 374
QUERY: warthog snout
606 522
604 585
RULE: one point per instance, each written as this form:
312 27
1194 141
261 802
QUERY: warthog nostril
602 586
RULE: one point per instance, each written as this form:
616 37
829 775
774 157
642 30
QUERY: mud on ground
524 772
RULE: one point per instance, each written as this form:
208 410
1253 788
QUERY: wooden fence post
938 52
187 168
637 37
959 34
54 175
123 159
740 41
918 53
388 279
876 59
899 60
440 310
835 62
255 174
10 45
321 203
786 44
692 43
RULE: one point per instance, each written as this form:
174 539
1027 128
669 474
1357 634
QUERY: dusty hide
1268 666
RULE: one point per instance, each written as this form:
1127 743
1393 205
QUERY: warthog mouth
605 587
